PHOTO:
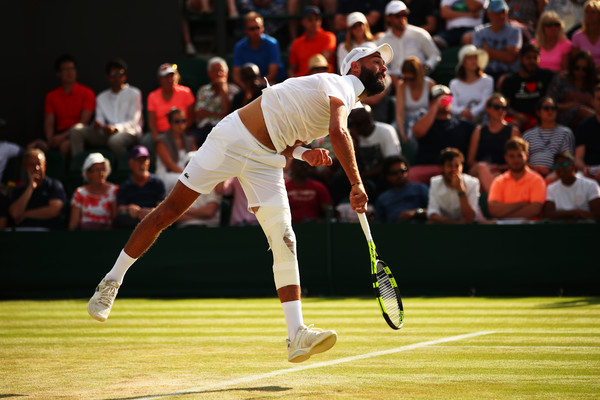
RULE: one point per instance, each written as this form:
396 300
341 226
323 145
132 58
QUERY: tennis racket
384 284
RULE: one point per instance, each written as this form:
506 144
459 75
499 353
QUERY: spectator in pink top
588 37
169 95
555 48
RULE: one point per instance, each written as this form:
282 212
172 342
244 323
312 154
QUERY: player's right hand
317 157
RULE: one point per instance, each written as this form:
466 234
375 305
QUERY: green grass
530 348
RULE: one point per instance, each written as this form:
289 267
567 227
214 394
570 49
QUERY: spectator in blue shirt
257 48
404 201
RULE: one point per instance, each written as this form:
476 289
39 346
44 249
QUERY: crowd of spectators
514 136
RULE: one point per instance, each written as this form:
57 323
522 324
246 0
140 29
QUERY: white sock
292 310
120 268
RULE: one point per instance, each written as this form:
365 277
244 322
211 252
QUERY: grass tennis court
449 348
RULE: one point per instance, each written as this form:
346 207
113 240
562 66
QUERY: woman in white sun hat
471 87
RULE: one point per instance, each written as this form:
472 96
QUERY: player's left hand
317 157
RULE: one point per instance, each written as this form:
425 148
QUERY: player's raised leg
144 235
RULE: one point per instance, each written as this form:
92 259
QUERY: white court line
252 378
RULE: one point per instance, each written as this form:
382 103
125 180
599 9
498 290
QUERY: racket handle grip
362 218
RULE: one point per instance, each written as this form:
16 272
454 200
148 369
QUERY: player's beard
374 83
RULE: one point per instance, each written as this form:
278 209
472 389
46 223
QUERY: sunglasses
313 18
398 171
408 79
563 164
498 107
552 24
179 121
400 15
549 108
116 73
253 28
580 67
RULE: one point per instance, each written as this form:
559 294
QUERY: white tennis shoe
102 301
309 341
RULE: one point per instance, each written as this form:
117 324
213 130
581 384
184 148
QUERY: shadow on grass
249 389
590 301
7 395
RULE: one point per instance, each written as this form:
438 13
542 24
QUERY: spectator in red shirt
309 198
315 40
71 105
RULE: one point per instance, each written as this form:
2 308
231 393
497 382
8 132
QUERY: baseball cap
394 7
439 90
471 50
385 50
311 10
355 17
497 5
166 69
139 151
317 61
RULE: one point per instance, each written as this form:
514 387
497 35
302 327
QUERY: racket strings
388 295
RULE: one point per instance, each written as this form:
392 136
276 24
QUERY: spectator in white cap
94 204
358 33
471 87
407 40
252 144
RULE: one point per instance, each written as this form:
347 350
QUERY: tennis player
252 144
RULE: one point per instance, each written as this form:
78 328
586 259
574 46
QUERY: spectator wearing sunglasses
574 92
404 201
358 34
407 40
172 147
412 97
453 196
118 123
258 48
572 197
486 148
555 47
547 138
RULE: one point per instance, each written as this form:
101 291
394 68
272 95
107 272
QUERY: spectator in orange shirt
71 105
519 192
315 40
169 95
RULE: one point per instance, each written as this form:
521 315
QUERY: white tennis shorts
229 151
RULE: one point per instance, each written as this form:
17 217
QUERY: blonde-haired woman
358 34
412 96
588 37
550 37
94 205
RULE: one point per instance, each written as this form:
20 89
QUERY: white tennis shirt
299 108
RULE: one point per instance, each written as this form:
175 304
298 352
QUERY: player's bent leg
303 341
144 235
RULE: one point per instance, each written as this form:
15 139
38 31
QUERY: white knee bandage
276 222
